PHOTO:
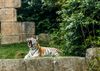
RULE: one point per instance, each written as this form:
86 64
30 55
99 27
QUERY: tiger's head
32 42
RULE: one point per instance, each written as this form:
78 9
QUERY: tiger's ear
37 37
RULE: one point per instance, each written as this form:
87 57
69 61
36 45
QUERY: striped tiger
37 51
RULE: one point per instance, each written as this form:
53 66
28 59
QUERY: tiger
35 50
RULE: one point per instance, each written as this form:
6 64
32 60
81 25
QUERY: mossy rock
20 54
44 39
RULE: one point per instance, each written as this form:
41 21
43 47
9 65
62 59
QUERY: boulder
93 59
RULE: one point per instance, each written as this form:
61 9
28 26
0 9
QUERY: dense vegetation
44 16
77 22
79 27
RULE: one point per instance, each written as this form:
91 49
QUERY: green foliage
79 27
43 15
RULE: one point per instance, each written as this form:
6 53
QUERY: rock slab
44 64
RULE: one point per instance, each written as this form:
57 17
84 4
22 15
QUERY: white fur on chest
32 53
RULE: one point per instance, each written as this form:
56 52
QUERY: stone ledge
44 64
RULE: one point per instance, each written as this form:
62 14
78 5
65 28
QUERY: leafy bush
79 27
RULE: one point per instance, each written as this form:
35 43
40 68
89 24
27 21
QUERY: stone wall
8 14
14 32
8 20
10 3
27 29
44 64
11 30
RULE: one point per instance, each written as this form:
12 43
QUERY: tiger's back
49 51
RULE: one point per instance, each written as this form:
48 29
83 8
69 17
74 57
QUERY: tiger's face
32 42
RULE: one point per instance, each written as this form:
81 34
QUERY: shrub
79 27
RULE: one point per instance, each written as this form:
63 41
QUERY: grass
13 51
